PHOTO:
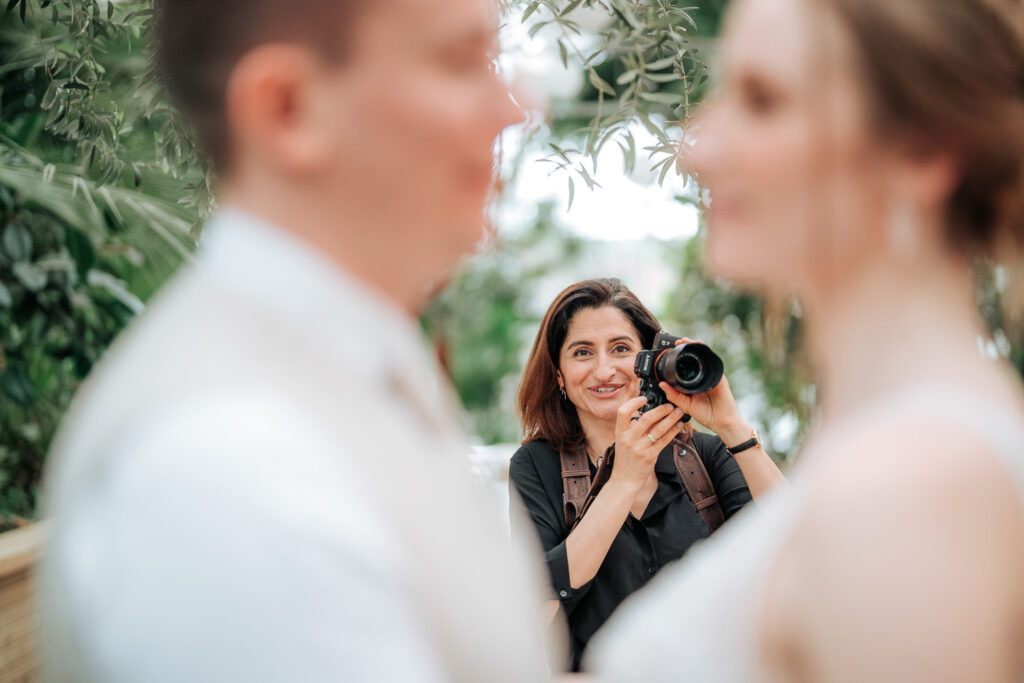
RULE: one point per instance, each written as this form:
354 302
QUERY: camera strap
575 483
698 484
578 492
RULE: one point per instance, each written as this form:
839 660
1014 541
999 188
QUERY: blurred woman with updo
863 155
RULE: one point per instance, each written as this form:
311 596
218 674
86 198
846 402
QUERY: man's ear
269 109
927 177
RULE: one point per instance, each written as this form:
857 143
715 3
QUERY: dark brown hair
948 75
198 43
543 413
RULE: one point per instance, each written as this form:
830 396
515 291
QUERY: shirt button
650 570
563 594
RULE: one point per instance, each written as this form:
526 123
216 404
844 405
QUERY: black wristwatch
754 440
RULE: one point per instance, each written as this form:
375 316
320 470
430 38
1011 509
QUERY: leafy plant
100 190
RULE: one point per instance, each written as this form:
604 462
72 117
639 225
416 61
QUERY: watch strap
754 440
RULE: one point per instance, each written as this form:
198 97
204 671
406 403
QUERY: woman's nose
605 367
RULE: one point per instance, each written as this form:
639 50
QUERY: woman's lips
606 390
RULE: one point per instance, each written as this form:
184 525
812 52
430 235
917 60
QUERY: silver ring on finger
650 437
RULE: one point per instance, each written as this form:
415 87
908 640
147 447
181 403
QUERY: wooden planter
19 617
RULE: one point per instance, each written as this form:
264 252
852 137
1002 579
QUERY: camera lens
692 368
689 369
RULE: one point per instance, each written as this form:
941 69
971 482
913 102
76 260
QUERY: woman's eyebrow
584 342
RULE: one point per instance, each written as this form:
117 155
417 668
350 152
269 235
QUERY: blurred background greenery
102 194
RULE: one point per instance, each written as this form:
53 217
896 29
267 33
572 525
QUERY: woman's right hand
635 451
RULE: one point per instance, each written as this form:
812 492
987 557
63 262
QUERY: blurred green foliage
484 320
647 63
101 191
93 168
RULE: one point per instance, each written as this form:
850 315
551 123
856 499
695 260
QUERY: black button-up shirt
667 528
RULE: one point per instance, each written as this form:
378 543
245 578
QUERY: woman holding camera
864 155
579 395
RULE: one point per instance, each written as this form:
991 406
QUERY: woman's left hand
716 408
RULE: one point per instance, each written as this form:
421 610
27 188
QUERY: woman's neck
897 323
598 435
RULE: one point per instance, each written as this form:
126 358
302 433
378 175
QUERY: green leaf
15 383
572 193
660 64
628 153
29 274
17 242
537 27
49 97
530 9
671 77
570 7
600 83
626 77
81 250
563 53
6 300
669 165
61 114
662 97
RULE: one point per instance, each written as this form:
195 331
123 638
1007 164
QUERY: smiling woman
579 396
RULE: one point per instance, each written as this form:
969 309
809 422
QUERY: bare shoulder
913 463
908 559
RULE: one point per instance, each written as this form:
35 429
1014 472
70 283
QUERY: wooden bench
19 615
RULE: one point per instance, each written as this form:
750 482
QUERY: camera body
692 368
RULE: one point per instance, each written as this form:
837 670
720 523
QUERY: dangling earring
565 396
903 228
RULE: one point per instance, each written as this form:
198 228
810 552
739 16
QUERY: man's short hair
198 43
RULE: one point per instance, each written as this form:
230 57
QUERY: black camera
692 368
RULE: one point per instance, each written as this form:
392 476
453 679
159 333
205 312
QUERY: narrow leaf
659 64
600 83
530 9
662 97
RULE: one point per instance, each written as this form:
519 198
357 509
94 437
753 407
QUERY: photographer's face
596 363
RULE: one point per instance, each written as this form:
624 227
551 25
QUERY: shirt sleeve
229 542
548 524
726 476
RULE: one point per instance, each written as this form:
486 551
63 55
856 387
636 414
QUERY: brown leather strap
575 483
604 472
698 484
578 492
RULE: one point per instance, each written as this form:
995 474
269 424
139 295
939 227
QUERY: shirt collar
356 326
665 466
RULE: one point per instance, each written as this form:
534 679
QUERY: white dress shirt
265 480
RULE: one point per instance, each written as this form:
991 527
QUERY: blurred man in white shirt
265 479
